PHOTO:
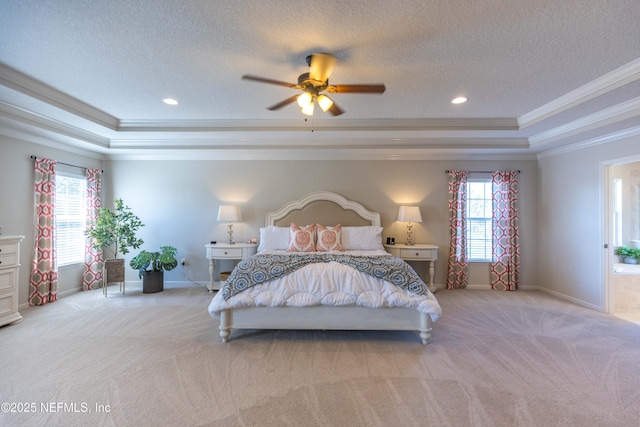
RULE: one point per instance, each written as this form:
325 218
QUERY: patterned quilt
262 268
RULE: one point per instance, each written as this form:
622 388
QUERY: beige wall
178 201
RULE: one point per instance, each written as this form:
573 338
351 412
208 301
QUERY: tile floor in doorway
631 316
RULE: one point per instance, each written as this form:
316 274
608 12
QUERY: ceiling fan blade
269 81
321 66
370 88
335 110
281 104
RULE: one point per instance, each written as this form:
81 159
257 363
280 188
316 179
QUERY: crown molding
55 127
622 111
358 125
604 139
32 87
184 142
610 81
39 136
325 139
321 154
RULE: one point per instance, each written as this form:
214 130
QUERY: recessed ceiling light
170 101
459 100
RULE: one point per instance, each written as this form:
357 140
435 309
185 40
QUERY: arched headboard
323 207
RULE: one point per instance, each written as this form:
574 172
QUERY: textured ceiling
536 72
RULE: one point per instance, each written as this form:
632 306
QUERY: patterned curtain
93 260
44 274
505 265
457 275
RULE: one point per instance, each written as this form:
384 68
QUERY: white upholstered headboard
323 207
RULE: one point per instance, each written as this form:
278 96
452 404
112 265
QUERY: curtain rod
68 164
447 171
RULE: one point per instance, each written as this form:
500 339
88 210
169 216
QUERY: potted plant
152 265
629 255
115 229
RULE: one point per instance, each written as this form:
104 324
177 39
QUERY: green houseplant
152 265
115 229
629 255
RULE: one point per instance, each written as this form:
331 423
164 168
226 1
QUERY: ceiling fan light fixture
308 109
325 102
304 99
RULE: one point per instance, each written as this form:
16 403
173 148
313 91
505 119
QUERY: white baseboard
540 289
182 284
564 297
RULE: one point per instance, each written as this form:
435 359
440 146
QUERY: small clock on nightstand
417 252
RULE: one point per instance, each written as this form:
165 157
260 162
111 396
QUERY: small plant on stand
115 229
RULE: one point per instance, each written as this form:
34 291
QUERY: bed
345 290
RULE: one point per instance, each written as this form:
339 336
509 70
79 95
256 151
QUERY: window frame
488 221
80 220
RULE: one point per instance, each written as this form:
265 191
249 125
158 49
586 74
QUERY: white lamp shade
308 109
409 214
325 102
229 213
304 99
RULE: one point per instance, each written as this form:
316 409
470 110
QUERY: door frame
606 211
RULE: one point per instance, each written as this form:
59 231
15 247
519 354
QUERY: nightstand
221 251
417 252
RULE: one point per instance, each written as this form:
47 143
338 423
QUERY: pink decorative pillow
328 238
302 240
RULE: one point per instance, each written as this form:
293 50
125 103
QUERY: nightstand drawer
415 253
226 253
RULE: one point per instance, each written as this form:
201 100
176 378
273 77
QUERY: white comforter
332 284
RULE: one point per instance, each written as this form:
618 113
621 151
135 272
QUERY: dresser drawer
8 279
8 304
226 253
8 254
9 271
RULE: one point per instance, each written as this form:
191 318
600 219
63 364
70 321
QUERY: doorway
622 228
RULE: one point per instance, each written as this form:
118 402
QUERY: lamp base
230 233
410 241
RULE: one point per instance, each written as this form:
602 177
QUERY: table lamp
409 214
230 214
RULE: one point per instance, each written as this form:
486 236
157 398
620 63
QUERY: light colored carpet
495 359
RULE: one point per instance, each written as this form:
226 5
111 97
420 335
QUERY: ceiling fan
313 85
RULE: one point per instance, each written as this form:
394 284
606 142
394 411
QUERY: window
70 217
479 220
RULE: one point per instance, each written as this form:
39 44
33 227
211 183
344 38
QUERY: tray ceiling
539 75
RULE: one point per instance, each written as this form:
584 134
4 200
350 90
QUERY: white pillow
274 238
368 238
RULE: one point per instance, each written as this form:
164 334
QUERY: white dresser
9 270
